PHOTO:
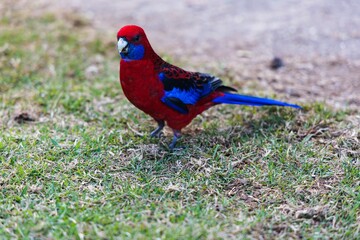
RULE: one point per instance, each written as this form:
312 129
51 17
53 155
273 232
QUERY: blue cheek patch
135 52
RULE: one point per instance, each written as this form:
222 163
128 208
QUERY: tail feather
231 98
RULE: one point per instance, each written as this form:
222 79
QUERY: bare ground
318 41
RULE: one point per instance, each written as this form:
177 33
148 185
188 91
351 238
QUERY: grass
85 166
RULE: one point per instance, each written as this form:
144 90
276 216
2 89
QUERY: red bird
166 92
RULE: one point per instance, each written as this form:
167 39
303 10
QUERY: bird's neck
150 56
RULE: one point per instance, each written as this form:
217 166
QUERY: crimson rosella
168 93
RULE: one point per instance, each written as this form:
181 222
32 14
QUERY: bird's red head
133 43
130 32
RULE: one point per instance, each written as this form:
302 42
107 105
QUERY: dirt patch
23 118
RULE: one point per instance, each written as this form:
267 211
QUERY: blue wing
182 87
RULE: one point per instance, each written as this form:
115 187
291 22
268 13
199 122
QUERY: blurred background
317 40
285 27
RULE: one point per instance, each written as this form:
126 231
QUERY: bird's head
133 43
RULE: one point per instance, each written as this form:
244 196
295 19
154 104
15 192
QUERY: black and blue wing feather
182 88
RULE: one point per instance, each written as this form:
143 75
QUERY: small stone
276 63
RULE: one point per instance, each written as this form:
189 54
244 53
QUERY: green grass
86 167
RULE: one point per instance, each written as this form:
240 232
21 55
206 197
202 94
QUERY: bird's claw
158 131
156 134
177 135
172 146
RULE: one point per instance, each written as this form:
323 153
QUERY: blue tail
231 98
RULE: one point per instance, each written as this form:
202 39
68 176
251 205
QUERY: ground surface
319 40
77 163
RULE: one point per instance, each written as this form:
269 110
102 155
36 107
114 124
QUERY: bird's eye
136 38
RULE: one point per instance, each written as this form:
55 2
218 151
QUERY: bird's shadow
262 125
155 158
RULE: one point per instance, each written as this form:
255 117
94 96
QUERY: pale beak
123 45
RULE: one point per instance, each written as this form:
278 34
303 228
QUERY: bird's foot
158 131
177 135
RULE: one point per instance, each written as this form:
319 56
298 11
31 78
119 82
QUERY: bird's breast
140 83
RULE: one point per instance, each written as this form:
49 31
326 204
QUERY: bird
170 94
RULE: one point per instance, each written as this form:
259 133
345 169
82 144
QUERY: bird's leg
177 135
157 131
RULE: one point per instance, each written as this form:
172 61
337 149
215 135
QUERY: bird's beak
123 46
